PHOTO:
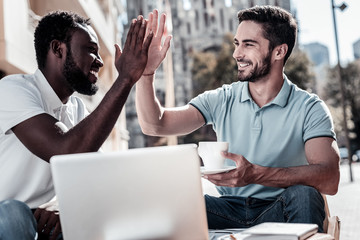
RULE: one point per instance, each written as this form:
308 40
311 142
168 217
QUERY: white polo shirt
24 176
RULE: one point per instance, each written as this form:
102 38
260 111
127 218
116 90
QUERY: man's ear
57 48
280 51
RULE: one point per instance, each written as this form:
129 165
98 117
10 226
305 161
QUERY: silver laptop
145 193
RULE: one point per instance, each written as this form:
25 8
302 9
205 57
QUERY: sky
315 21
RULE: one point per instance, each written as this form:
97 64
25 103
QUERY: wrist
147 74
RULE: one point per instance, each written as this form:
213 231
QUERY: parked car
343 153
356 156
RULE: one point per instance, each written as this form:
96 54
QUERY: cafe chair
331 223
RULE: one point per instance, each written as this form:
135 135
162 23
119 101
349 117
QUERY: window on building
231 25
222 18
188 25
206 19
196 20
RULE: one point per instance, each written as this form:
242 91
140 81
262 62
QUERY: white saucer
203 170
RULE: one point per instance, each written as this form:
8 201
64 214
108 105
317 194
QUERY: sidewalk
345 204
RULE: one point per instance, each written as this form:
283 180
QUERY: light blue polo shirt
271 136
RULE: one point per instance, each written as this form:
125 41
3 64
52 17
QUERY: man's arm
322 172
153 118
39 133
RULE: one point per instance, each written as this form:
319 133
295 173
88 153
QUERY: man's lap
295 204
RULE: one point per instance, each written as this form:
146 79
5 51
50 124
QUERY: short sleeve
19 100
209 103
318 121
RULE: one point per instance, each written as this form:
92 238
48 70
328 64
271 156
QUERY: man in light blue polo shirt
281 138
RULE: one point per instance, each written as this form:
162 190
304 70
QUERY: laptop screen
144 193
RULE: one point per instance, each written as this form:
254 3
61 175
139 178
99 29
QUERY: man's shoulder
303 96
17 82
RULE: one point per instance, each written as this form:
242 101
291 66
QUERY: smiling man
40 117
281 138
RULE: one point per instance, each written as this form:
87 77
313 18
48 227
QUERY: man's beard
257 73
77 80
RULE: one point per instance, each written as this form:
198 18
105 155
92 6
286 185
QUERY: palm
157 51
132 61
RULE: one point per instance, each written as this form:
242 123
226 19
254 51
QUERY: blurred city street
345 204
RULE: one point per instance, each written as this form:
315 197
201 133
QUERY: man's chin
89 91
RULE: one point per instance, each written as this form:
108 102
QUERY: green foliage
298 69
350 75
211 70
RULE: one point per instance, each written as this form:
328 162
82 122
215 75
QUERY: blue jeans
16 221
297 204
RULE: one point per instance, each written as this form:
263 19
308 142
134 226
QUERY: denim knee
302 193
304 204
16 220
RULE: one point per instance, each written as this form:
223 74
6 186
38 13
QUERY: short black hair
58 25
279 26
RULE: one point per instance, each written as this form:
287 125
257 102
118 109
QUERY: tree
298 69
351 79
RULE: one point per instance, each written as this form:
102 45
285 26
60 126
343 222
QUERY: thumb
231 156
118 52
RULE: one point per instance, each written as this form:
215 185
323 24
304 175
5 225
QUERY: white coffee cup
210 153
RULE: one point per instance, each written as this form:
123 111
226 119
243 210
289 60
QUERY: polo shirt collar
281 99
53 102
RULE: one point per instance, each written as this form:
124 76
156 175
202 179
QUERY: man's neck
265 90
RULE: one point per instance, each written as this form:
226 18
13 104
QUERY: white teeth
243 64
93 73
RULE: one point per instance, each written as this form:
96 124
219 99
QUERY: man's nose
238 53
99 61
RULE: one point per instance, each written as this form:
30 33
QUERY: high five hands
157 50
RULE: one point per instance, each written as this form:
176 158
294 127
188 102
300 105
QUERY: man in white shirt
35 109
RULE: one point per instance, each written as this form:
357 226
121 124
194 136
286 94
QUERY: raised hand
157 50
131 62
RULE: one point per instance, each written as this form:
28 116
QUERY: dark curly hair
279 26
57 25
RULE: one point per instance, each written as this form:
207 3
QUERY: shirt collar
53 102
280 99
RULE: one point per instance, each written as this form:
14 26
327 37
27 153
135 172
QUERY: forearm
41 136
91 132
324 178
148 107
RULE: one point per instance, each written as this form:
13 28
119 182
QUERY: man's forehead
87 30
249 30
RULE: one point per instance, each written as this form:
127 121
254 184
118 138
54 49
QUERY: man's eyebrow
250 41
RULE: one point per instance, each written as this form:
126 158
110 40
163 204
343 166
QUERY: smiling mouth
94 73
242 65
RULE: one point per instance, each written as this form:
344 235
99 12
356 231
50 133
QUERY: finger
56 232
155 21
129 34
51 223
41 223
118 52
135 33
141 35
149 24
147 43
162 25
